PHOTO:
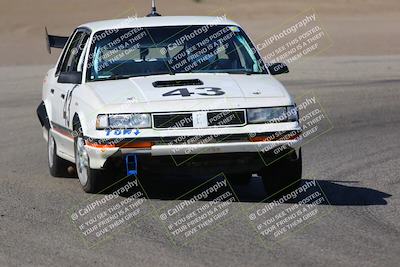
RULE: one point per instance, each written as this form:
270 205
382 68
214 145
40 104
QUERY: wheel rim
50 150
82 160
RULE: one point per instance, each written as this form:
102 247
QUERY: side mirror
73 77
278 68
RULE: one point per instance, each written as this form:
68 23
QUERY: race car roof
133 22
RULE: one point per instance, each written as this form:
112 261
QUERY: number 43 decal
205 91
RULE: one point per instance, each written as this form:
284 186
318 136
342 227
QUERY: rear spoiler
54 41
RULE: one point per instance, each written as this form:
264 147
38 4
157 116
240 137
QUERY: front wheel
283 175
90 179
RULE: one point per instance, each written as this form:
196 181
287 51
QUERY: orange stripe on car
133 144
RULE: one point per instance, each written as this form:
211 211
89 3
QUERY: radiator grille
224 118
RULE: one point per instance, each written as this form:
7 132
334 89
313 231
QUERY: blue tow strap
131 164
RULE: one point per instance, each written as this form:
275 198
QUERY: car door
63 91
72 61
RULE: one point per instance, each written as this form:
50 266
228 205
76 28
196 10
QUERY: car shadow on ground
338 193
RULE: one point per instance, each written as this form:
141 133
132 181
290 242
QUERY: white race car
167 94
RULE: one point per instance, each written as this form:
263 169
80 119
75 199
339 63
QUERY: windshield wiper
155 73
125 76
113 77
247 72
119 76
242 72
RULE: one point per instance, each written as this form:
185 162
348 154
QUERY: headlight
272 115
123 121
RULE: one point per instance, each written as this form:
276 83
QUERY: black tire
283 175
57 166
91 180
239 178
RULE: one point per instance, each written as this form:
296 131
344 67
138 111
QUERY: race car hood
208 91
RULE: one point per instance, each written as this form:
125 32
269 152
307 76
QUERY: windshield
124 53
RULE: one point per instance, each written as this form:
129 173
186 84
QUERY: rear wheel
284 175
57 166
92 181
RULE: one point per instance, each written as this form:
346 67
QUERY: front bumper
99 155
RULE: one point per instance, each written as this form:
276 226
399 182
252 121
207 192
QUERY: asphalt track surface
356 164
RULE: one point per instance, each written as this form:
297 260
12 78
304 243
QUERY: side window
74 52
67 45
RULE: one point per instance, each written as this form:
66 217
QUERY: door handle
62 96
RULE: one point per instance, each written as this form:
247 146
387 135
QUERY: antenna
153 10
